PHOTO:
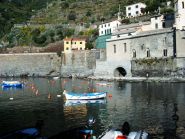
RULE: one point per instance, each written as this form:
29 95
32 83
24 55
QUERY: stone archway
120 72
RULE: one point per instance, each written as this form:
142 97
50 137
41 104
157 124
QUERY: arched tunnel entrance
120 72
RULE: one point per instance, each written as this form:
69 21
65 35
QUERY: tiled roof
75 39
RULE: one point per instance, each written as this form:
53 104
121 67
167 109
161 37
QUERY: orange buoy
109 95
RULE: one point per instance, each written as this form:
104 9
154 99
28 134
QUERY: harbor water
146 106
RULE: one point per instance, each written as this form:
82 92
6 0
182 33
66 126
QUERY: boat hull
8 84
85 96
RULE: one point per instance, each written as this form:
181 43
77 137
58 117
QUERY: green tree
72 15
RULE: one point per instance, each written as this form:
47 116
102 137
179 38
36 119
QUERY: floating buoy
11 98
110 95
49 96
58 95
37 92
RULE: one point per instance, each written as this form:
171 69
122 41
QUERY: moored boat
124 133
31 132
12 84
114 134
84 96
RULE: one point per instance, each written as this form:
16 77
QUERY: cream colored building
134 9
179 14
71 44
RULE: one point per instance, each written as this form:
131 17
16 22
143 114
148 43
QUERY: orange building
74 44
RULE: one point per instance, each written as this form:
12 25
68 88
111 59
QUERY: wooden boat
84 96
80 102
12 84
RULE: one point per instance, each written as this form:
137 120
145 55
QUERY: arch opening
120 72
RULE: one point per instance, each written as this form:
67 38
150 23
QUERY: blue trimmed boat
12 84
84 96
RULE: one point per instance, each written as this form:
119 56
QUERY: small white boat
124 133
56 78
12 84
81 102
84 96
113 134
104 84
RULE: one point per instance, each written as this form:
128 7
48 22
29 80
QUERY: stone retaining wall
30 64
158 67
78 63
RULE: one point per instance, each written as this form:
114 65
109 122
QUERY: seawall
30 64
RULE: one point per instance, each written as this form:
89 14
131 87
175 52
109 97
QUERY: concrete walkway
139 79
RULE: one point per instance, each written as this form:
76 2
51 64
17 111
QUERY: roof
75 39
133 25
109 21
136 4
125 31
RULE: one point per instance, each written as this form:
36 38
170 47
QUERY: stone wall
30 64
158 67
78 63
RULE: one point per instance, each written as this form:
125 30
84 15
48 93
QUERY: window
136 6
108 24
105 32
110 30
182 5
129 8
164 41
129 14
105 25
114 48
101 32
67 48
156 26
67 42
165 52
80 42
155 17
134 53
125 47
142 46
101 26
148 53
80 48
137 12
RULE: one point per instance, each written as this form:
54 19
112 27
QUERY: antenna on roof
119 13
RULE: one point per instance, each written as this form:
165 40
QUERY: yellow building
74 44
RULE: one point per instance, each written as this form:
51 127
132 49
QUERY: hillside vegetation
61 18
